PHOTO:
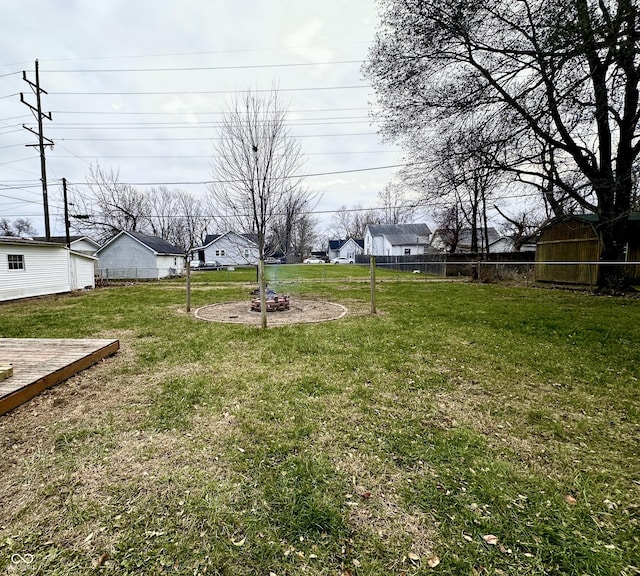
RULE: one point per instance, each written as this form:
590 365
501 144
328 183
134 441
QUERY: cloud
308 42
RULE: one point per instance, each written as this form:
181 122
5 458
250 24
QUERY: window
219 252
246 252
16 261
407 250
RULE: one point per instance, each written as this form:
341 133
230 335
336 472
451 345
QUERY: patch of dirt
300 311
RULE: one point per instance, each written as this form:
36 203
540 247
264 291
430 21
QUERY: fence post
372 273
188 286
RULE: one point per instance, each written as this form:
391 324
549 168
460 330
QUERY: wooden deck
39 363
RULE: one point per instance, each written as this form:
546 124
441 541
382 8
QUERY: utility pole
42 141
66 213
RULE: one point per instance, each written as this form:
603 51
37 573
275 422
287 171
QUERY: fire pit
275 303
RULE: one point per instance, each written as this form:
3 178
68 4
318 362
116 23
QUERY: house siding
82 271
46 271
127 258
229 249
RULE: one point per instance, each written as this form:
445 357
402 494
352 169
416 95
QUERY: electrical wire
202 68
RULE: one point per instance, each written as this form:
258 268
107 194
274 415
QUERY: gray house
132 255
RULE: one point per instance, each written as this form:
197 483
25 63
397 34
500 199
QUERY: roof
211 238
154 243
26 241
591 217
337 244
400 234
63 239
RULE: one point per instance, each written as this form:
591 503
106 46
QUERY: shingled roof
400 234
156 244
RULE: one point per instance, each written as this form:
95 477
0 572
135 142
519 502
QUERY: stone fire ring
300 312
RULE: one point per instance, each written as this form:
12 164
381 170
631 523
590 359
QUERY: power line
198 156
183 125
210 138
292 177
204 68
193 113
184 92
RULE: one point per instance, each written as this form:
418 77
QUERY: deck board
39 363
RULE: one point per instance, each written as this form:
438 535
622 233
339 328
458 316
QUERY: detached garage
32 268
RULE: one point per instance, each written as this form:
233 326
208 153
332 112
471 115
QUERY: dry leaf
100 561
467 537
570 500
490 539
413 557
433 561
239 542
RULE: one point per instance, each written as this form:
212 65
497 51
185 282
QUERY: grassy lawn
464 429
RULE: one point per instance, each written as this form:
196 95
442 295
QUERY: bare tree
257 169
178 217
351 222
305 234
19 227
566 71
450 224
105 206
521 227
296 205
396 205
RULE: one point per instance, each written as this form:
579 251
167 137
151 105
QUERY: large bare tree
256 171
563 72
105 206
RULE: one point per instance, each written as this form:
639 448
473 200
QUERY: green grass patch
458 413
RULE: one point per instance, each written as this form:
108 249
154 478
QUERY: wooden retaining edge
22 395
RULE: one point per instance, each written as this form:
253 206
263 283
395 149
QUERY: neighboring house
396 239
82 244
349 248
230 249
132 255
574 239
445 240
33 268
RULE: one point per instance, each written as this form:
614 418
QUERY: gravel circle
300 312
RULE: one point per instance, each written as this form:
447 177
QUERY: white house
230 249
33 268
132 255
349 248
396 239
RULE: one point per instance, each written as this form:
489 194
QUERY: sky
138 86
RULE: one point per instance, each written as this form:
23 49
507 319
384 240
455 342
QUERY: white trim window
15 261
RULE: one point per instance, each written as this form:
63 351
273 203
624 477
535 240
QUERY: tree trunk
263 291
613 236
